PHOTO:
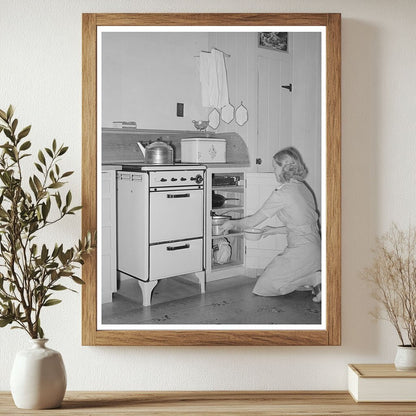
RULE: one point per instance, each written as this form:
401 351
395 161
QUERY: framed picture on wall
277 41
164 272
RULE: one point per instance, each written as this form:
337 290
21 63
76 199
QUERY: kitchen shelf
234 263
225 208
237 234
229 188
233 207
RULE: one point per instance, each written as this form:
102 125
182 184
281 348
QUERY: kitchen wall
306 105
146 74
40 73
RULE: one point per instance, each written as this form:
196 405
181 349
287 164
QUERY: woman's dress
300 263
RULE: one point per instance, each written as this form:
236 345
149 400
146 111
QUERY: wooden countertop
212 403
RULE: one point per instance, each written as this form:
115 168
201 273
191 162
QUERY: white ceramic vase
38 377
405 358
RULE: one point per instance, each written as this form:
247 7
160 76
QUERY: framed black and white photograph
211 230
277 41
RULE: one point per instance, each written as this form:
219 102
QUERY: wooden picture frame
329 336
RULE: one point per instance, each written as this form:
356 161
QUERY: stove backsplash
120 145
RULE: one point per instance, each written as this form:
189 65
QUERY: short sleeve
273 203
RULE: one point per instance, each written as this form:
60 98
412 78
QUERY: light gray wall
306 109
40 74
146 74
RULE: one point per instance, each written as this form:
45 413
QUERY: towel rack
219 50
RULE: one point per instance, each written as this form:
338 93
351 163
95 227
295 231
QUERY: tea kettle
157 153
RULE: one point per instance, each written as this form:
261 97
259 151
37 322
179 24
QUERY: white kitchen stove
161 223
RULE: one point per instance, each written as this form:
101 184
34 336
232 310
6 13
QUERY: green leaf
39 167
76 279
67 174
51 302
34 249
8 133
55 251
24 132
25 145
49 151
5 321
77 208
41 157
62 150
59 287
45 211
58 199
14 125
25 155
37 182
62 257
56 185
40 331
54 145
3 115
10 112
33 187
44 253
68 199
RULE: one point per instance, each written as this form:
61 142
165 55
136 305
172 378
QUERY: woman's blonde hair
292 164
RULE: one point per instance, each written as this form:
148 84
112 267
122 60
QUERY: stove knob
183 179
173 179
163 180
197 179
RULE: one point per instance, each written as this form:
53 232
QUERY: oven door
176 215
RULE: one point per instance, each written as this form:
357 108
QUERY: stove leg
201 277
147 289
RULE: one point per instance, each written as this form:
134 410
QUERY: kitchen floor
178 300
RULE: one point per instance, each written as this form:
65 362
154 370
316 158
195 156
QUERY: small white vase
38 377
405 358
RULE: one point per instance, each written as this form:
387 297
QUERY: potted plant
393 277
31 273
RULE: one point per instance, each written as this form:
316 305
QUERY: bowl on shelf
253 234
200 125
217 222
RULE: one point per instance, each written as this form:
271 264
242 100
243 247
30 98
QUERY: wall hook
288 87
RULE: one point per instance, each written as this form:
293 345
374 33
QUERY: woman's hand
227 226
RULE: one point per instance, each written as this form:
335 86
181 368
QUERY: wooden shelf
177 403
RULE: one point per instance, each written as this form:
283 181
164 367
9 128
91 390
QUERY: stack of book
381 383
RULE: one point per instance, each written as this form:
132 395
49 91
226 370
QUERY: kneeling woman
294 205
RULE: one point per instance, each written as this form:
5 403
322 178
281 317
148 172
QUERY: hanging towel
221 75
213 78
